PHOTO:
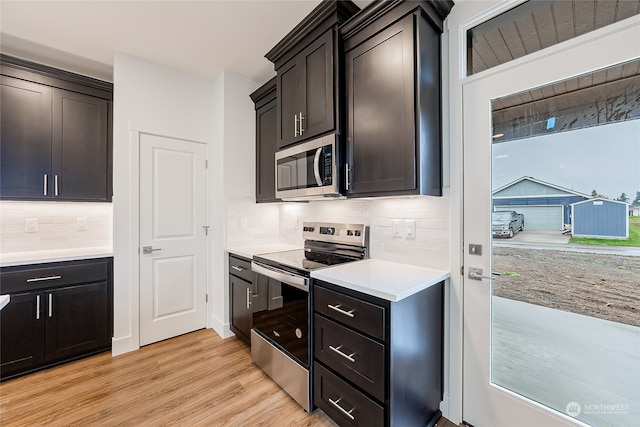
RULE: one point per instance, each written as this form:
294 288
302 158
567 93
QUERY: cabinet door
80 146
289 102
381 128
25 151
317 95
77 320
266 147
241 313
22 333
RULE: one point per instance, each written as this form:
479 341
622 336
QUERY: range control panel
350 234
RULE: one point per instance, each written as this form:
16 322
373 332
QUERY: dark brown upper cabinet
56 134
266 103
308 63
393 99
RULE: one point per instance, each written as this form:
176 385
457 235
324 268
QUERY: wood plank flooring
196 379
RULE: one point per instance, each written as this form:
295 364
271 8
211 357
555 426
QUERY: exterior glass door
551 323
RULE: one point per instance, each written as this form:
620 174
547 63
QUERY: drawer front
344 404
354 356
241 268
52 275
357 314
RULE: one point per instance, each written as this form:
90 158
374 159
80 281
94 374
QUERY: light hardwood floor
191 380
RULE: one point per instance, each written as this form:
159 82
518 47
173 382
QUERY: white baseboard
122 345
222 329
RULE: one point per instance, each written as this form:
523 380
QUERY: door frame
134 238
465 15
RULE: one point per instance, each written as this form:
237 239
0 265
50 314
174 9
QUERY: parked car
506 223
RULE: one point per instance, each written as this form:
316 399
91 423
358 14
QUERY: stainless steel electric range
281 335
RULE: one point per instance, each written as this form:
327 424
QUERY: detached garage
545 206
602 218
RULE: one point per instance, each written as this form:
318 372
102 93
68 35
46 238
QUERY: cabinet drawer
354 356
51 275
357 314
344 404
241 268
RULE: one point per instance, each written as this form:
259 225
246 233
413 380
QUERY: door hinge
206 297
206 164
462 270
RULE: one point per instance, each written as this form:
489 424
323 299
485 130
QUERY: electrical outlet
243 223
396 228
410 228
31 225
81 224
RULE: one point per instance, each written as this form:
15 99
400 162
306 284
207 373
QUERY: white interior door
172 220
484 402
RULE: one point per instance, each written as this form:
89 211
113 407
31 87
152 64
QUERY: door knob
149 249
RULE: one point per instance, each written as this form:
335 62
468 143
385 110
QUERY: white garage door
538 217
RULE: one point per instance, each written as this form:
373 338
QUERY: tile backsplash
428 247
58 225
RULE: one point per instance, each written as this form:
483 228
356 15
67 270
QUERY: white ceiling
202 38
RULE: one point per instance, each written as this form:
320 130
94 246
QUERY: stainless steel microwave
308 171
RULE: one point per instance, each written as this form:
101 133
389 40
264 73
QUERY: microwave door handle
316 167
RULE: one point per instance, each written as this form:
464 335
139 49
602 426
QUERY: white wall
153 99
57 226
233 160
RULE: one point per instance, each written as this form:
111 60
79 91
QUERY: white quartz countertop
55 255
383 279
4 300
250 251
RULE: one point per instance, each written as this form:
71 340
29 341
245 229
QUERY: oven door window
309 169
283 318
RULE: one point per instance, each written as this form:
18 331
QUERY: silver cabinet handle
55 185
341 409
45 184
236 268
301 127
149 249
346 174
349 357
37 307
50 305
341 311
248 298
295 125
42 279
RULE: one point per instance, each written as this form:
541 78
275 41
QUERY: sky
602 158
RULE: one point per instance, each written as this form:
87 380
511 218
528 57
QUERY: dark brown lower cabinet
241 291
377 362
57 312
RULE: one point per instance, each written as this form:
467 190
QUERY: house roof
600 198
560 191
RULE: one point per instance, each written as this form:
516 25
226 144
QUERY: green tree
636 201
623 198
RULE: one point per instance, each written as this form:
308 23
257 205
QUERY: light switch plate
396 228
31 225
81 224
410 228
243 223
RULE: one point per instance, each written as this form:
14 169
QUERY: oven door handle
294 280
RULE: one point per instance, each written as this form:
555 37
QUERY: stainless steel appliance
308 171
281 335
